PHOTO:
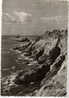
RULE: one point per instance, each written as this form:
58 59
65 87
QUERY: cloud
10 17
22 16
17 17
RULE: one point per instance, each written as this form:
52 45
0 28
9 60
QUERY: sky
33 16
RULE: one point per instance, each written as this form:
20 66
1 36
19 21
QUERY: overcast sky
33 16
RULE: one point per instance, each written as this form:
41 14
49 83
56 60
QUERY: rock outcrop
38 72
40 61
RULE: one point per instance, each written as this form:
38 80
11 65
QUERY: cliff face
45 74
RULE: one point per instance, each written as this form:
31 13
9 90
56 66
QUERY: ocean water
8 58
9 68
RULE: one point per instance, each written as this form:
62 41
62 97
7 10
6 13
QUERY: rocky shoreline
44 58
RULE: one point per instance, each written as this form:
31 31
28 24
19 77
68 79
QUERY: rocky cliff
45 74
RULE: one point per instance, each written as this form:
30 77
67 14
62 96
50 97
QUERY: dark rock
23 47
41 51
31 47
42 59
40 72
24 40
54 53
28 54
33 76
16 48
55 68
18 36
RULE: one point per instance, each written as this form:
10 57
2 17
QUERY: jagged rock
28 54
42 59
24 40
36 75
55 68
31 47
33 76
41 51
49 84
22 47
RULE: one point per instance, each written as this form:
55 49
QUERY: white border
67 60
0 38
68 55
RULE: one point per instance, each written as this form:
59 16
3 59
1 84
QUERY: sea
9 65
8 58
